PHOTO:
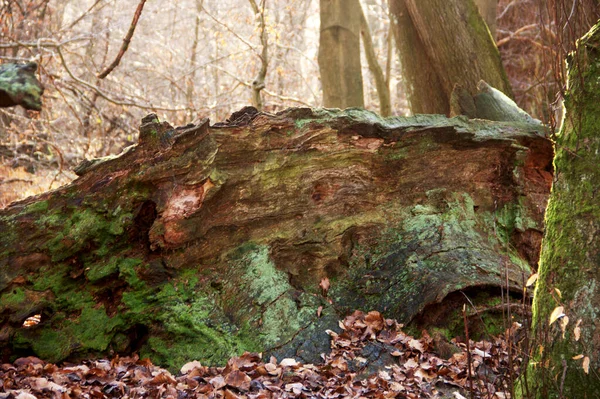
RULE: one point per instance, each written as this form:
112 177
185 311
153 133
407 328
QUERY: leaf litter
415 369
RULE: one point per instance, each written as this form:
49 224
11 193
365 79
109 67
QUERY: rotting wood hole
143 221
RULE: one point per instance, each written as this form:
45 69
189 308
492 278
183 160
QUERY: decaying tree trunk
204 241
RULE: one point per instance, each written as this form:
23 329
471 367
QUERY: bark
339 54
424 90
20 86
458 45
258 84
571 248
487 9
381 83
205 241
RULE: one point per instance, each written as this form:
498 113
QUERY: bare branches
126 41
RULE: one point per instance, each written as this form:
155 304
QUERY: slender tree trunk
382 85
419 77
258 84
459 49
191 81
339 53
569 272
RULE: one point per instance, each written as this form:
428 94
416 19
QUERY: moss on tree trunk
569 271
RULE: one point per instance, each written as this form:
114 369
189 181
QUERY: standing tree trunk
459 49
569 272
339 53
381 82
487 9
419 76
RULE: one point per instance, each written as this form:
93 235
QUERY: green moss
94 330
12 298
50 345
40 206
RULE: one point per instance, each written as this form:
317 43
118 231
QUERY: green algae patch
196 329
260 298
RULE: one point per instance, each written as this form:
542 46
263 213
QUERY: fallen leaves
371 357
557 313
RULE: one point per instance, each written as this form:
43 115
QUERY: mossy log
20 86
204 241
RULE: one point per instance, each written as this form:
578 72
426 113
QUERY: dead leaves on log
405 367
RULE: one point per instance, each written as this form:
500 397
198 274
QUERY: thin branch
126 41
106 96
229 29
270 93
82 16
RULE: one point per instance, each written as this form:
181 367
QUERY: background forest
191 59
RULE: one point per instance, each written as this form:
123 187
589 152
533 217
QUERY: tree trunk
458 45
339 54
487 9
205 241
570 362
424 90
381 83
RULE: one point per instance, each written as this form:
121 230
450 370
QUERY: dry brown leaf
556 314
238 379
586 365
577 357
577 330
186 368
375 321
288 362
324 284
217 382
532 279
416 344
230 395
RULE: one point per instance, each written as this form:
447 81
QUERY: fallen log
259 233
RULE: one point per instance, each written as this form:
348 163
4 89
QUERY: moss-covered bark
206 241
570 260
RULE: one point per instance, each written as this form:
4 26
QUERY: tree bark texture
458 45
339 53
424 90
487 9
205 241
571 249
381 83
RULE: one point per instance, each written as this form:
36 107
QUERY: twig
126 41
469 362
106 96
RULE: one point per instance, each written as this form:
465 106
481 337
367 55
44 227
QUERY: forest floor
371 358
